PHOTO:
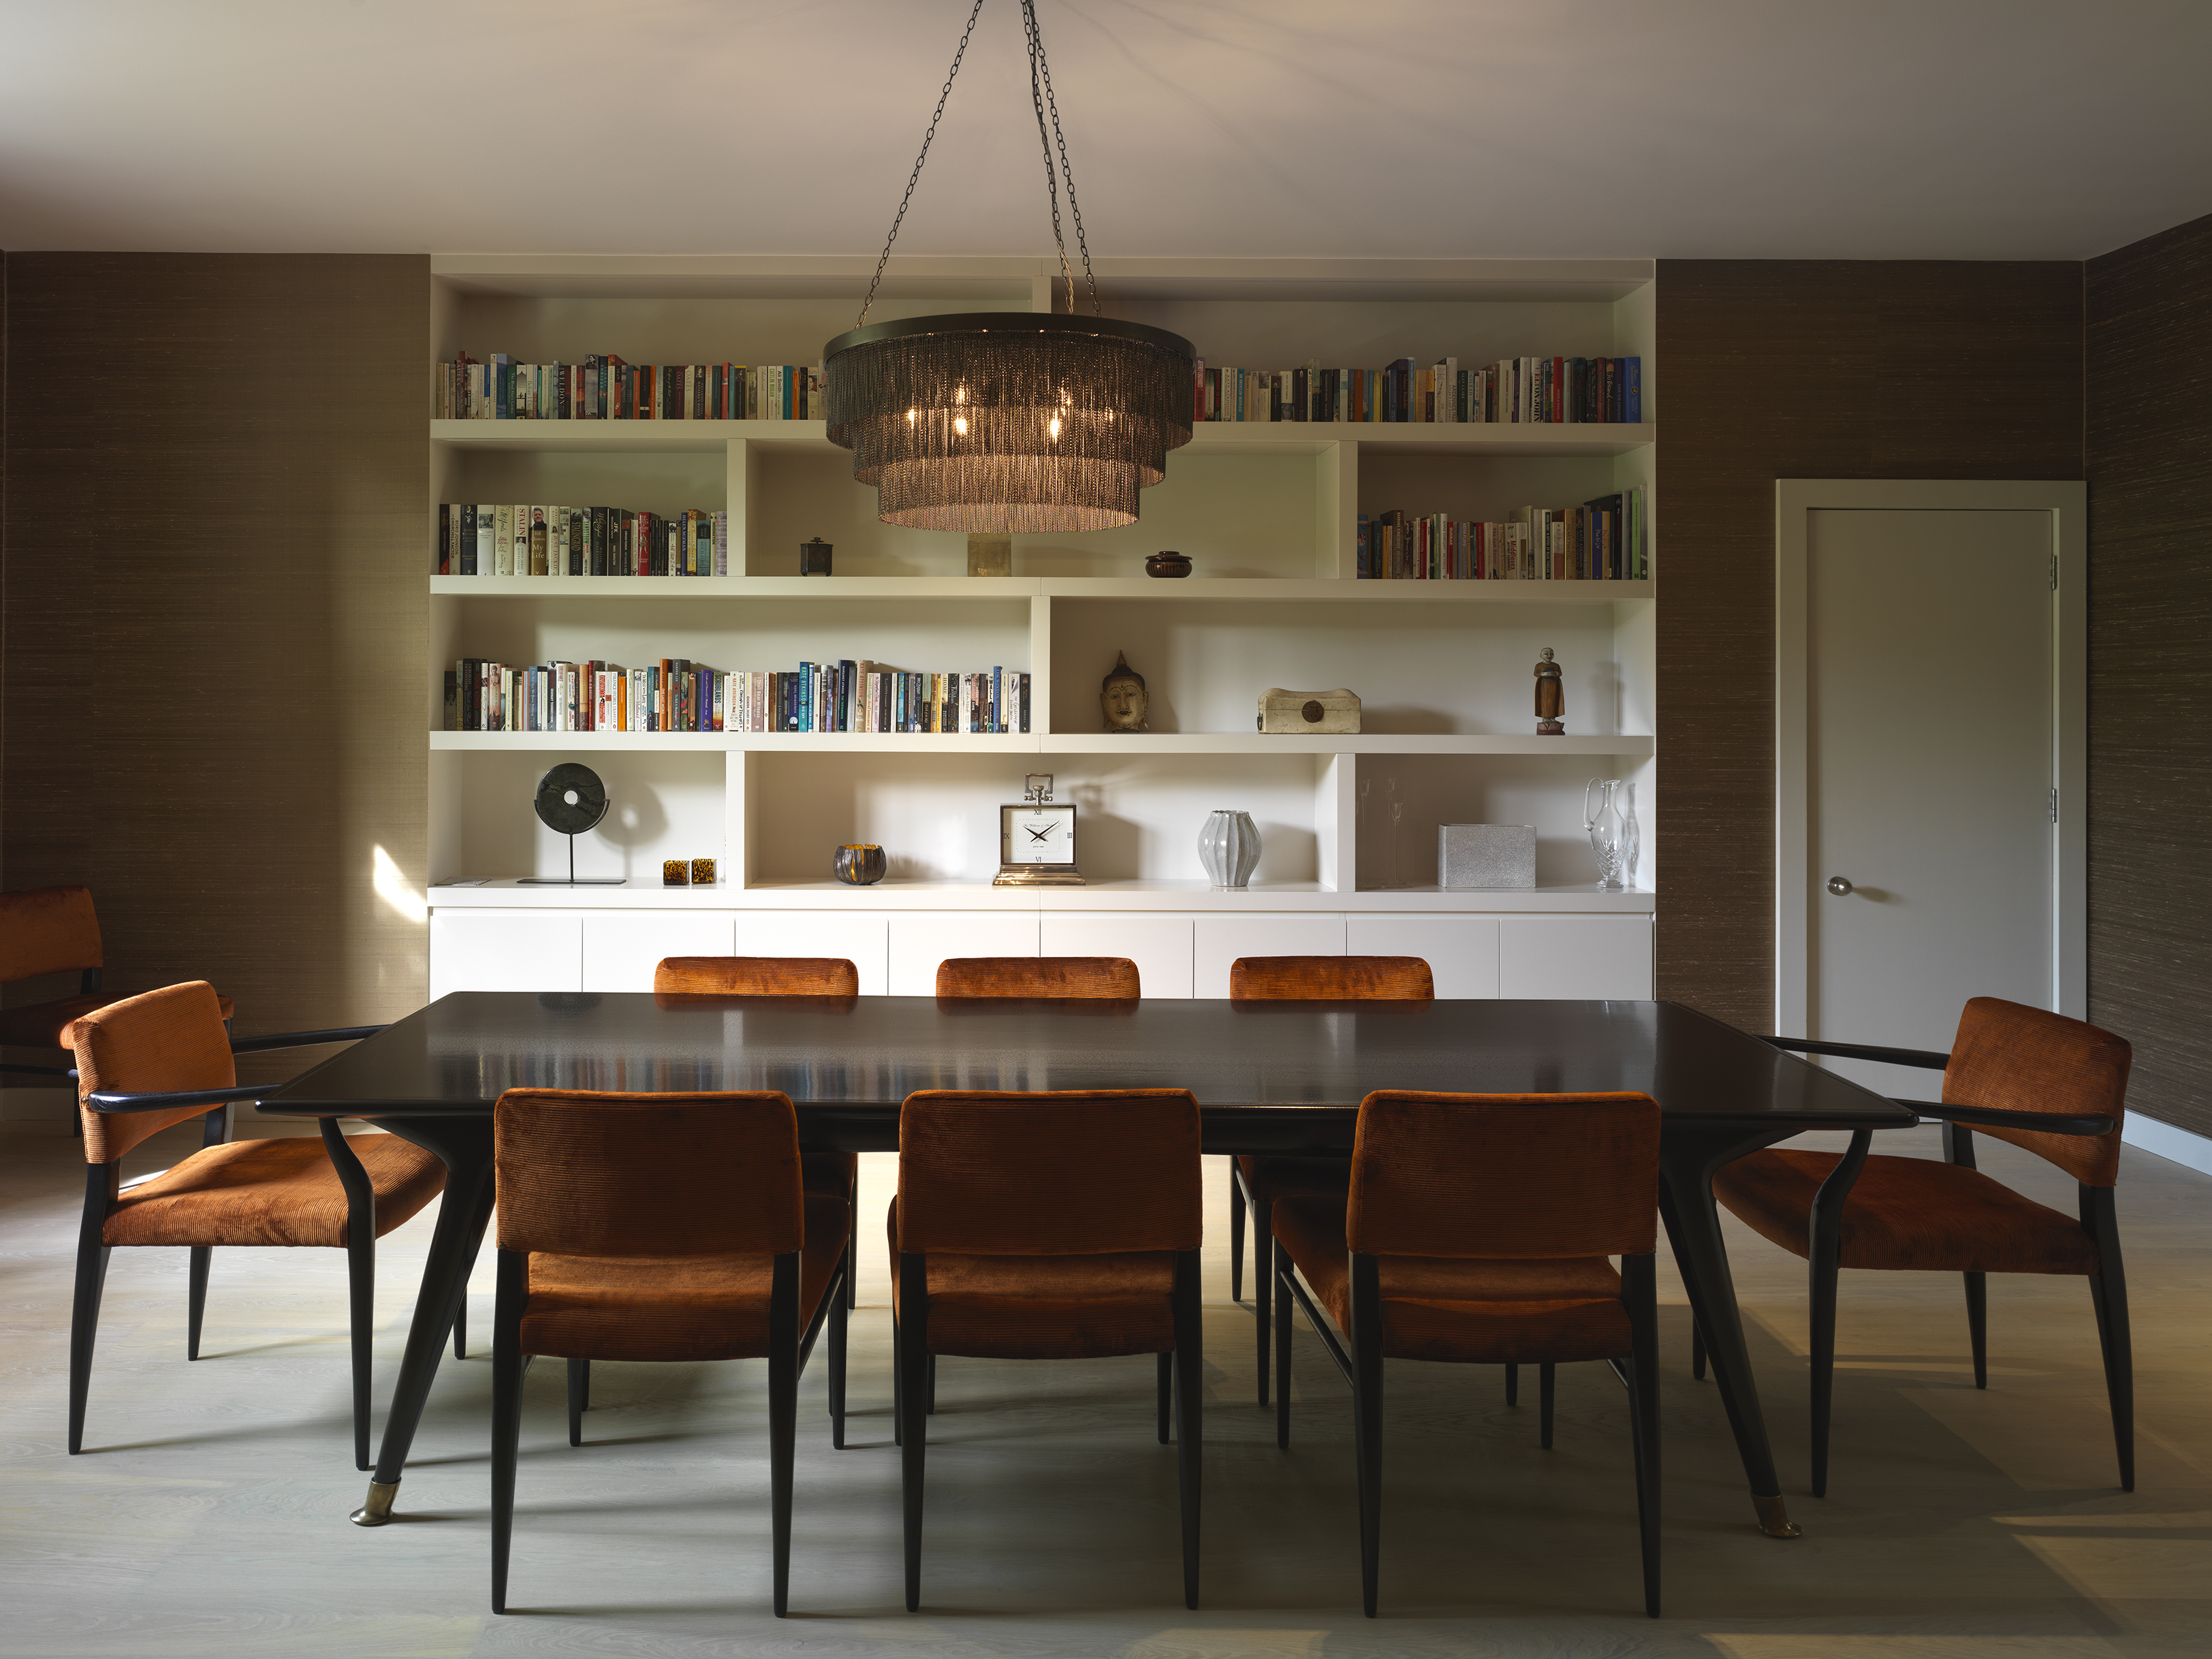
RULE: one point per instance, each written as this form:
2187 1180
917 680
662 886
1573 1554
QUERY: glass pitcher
1611 822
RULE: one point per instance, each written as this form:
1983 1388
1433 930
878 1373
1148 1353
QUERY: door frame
2066 502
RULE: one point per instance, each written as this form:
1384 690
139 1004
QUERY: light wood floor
208 1513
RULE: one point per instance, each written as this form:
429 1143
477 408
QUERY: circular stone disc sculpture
571 799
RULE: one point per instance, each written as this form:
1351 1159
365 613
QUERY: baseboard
2182 1146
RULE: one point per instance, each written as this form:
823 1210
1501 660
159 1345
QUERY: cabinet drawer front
862 939
1159 945
1461 951
505 951
1219 941
1574 956
919 939
621 951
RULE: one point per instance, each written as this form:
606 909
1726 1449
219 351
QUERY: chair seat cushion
273 1192
1266 1179
46 1024
1047 1307
692 1307
1479 1310
1907 1212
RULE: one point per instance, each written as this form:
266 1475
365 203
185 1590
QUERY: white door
919 939
1159 945
1218 940
859 937
1931 773
506 950
622 947
1461 951
1595 958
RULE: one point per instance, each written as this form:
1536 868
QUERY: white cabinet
1159 945
862 939
919 939
1574 956
506 950
621 948
1461 951
1217 941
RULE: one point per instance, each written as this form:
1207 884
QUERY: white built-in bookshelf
1266 511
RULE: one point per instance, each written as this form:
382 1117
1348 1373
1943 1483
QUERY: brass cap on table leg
1774 1517
377 1511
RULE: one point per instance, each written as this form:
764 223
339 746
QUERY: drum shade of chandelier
1009 423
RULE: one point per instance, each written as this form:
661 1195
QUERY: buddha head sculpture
1123 698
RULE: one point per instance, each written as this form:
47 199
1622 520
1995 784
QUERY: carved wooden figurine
1551 698
1123 698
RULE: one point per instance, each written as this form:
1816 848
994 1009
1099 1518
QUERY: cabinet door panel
505 951
922 938
1461 951
1159 945
1219 941
1574 956
860 939
621 948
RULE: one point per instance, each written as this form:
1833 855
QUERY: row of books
1515 391
677 695
1603 540
475 539
603 387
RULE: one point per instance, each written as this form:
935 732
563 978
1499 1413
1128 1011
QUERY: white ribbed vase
1229 848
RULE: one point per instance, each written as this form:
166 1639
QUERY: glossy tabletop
1270 1075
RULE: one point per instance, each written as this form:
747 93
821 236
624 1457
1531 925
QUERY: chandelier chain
1042 64
914 178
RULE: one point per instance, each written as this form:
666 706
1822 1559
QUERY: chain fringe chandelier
1007 422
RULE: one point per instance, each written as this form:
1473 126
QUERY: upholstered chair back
757 976
1326 978
2018 1059
1111 978
48 930
172 1039
1504 1176
990 1174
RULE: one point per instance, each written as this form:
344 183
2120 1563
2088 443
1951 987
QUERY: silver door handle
1839 885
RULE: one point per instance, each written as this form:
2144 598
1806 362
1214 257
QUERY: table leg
465 1146
1687 1158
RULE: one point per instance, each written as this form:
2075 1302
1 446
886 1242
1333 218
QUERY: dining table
1269 1077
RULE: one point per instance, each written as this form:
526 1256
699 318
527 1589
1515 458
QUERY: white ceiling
1787 129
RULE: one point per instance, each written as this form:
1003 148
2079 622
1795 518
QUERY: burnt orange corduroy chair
661 1227
1476 1230
151 1062
2055 1086
1088 978
1048 1226
51 930
1260 1181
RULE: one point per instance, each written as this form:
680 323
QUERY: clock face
1036 835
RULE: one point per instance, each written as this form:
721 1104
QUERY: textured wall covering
2149 454
213 625
1808 370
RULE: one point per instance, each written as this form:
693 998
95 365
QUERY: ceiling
1723 129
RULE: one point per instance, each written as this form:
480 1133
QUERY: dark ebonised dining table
1270 1077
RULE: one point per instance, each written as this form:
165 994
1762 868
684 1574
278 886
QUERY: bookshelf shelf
1269 512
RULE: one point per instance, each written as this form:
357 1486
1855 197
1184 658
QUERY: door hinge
2054 807
2054 572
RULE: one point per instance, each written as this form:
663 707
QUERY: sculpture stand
572 879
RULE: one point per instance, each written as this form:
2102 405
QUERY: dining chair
2054 1085
1048 1226
1260 1181
44 930
669 1227
1476 1230
1092 978
151 1062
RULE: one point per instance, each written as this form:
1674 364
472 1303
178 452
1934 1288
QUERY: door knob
1839 885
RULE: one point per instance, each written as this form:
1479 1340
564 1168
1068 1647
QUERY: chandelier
1009 423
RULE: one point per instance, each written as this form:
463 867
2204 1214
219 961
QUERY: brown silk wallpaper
1783 369
2149 447
212 649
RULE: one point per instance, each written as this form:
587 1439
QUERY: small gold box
703 872
675 873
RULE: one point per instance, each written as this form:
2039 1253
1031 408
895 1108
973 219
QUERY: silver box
1485 855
